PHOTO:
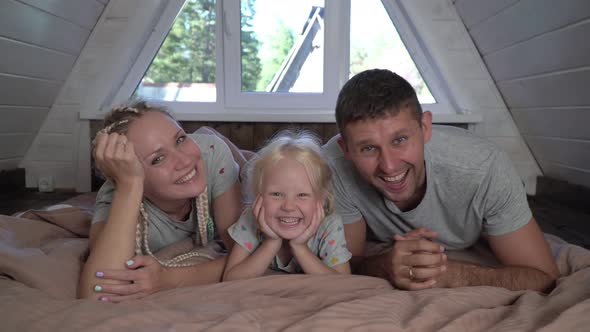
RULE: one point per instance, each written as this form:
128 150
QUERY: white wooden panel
62 119
476 94
450 35
526 19
436 10
53 147
84 13
558 50
60 171
475 11
23 91
496 122
14 145
465 64
555 122
514 147
24 59
569 174
9 164
572 153
562 89
28 24
15 119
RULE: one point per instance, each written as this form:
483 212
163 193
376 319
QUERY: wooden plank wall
39 43
538 54
249 135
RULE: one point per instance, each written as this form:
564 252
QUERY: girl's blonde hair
302 146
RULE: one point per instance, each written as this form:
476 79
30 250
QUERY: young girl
290 226
163 187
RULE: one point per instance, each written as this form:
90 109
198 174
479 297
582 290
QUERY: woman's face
174 167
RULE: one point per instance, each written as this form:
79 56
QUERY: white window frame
233 105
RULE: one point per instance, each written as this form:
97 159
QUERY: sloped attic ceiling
62 147
39 41
538 54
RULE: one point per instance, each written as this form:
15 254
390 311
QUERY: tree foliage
277 47
250 45
188 52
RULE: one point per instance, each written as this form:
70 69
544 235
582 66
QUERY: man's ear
427 125
343 147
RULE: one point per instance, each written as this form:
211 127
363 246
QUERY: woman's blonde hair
302 146
120 117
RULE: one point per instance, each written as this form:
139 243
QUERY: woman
162 184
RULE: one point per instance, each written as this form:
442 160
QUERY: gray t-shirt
328 244
222 174
472 187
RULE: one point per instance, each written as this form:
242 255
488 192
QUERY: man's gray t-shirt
472 187
222 173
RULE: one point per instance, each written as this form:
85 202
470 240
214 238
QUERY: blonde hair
302 146
120 117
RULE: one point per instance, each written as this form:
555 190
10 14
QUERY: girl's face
174 167
288 199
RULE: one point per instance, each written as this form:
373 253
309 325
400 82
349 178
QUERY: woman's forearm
116 242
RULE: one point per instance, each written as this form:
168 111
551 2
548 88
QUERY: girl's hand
144 274
115 158
310 231
259 214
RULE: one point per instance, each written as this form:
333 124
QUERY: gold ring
411 273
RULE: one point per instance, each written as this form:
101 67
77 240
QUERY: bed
42 251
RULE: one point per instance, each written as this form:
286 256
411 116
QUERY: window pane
282 45
375 43
184 68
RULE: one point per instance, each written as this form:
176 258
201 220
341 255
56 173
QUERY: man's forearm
373 266
462 274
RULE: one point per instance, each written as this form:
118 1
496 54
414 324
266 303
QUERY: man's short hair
374 94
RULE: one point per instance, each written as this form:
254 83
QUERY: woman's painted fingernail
129 262
100 274
104 299
97 288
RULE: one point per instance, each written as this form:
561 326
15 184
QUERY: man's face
389 154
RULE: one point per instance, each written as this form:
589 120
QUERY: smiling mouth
187 177
395 180
289 221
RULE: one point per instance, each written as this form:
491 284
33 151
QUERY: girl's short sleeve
245 231
332 247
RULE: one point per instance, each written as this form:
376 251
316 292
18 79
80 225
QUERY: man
426 189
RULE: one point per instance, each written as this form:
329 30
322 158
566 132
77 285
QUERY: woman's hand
310 231
259 214
144 274
115 158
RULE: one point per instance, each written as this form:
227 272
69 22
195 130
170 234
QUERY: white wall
450 46
61 147
39 42
539 56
